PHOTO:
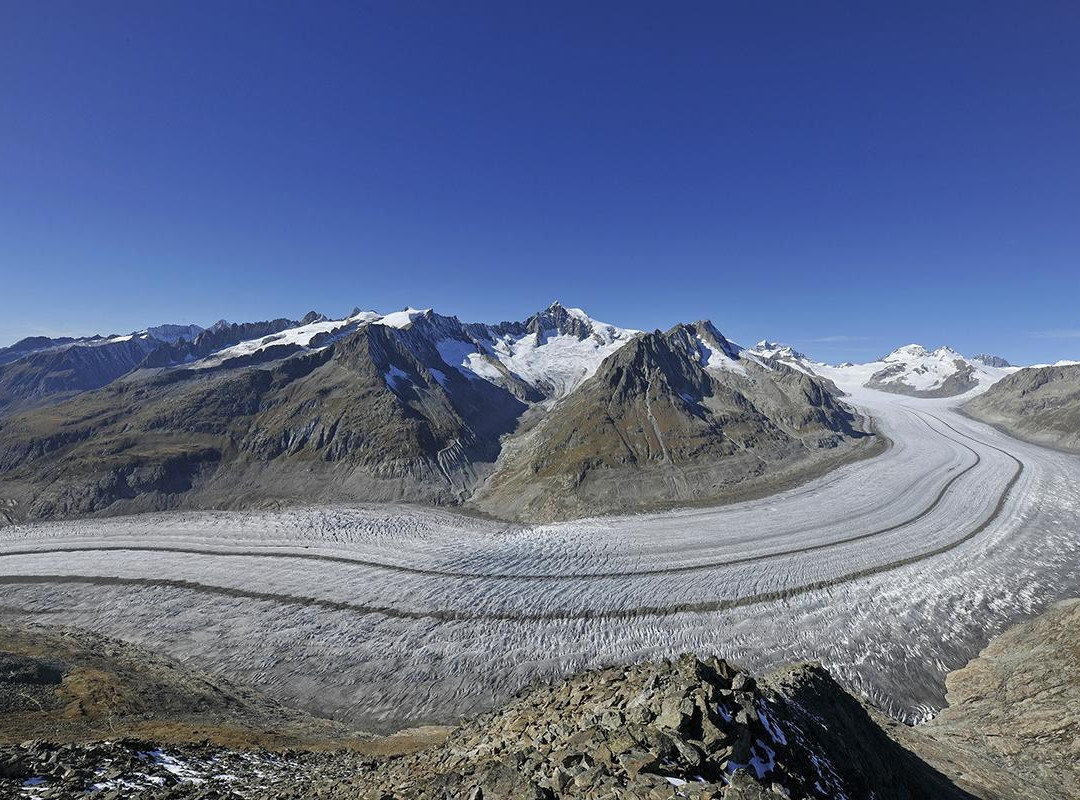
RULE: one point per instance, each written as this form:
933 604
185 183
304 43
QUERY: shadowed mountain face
528 420
55 373
40 371
1040 404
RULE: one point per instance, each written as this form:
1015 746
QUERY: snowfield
890 571
914 368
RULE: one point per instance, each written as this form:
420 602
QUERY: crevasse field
890 571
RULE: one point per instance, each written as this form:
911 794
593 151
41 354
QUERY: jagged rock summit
991 360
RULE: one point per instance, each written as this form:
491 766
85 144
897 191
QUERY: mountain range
556 416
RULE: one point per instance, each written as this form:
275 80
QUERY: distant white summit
914 370
783 353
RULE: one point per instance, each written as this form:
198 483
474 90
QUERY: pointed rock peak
706 328
991 360
703 329
354 313
706 344
312 317
560 320
220 325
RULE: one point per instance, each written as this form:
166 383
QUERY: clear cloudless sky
848 177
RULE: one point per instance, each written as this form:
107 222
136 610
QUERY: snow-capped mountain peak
403 318
767 349
710 347
906 352
555 349
770 352
558 320
914 370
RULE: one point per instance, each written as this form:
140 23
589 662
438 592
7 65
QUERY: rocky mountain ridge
1039 404
422 407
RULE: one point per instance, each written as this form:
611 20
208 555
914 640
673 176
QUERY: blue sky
848 177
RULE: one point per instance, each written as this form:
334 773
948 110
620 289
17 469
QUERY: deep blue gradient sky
848 177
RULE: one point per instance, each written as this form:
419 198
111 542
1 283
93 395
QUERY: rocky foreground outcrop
687 728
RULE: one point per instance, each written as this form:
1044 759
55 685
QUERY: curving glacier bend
890 571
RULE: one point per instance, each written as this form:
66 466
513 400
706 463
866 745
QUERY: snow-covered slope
914 370
314 334
554 350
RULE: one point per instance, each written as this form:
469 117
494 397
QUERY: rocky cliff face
1018 703
1040 404
991 360
1012 725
